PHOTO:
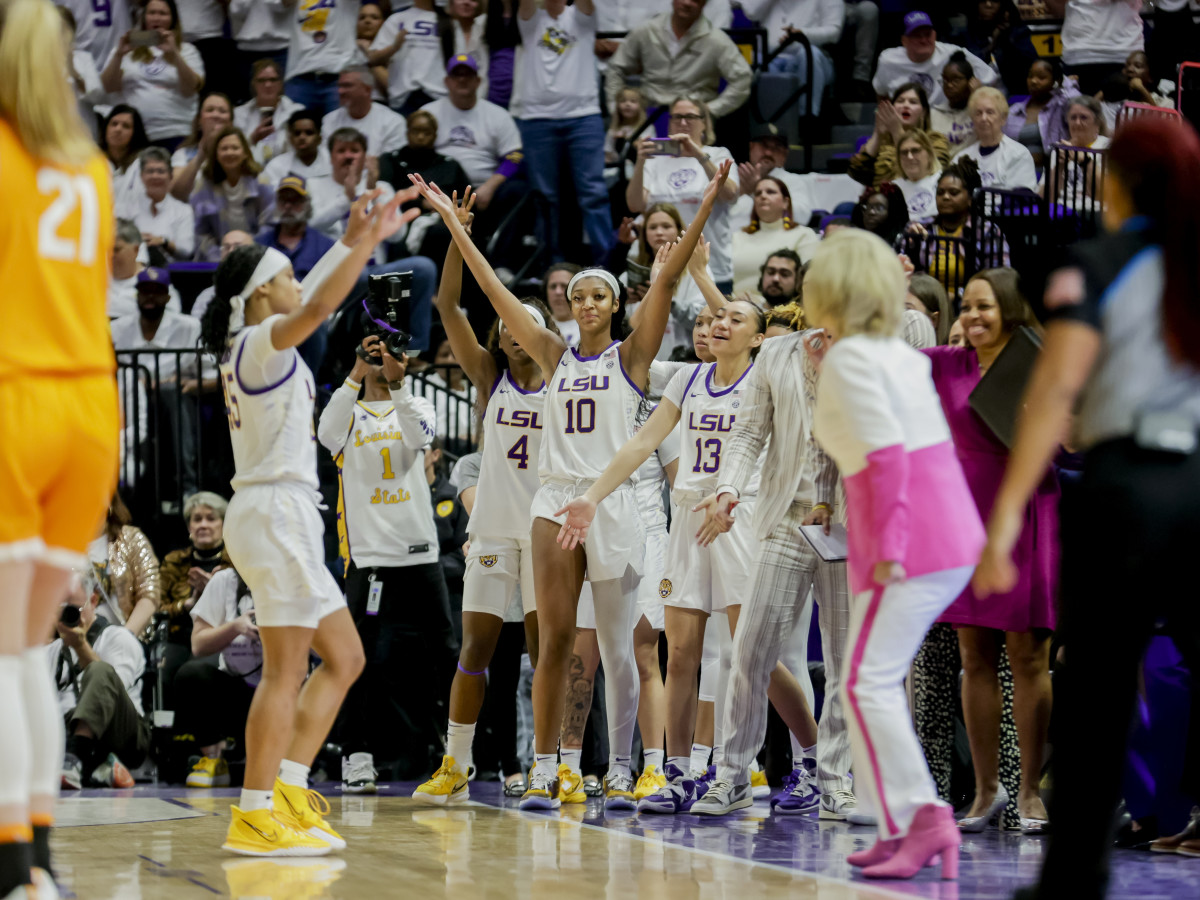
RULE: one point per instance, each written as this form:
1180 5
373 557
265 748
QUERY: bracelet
396 385
824 506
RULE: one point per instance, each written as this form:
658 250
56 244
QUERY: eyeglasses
267 79
875 207
912 151
686 117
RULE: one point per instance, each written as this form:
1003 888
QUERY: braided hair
789 316
232 275
966 170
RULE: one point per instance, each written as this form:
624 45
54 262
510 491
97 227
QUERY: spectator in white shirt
307 156
203 25
261 118
681 180
213 117
818 20
98 668
260 29
1097 36
410 45
920 59
677 53
84 76
167 225
127 255
384 129
122 138
155 327
559 114
1003 162
768 155
163 81
321 46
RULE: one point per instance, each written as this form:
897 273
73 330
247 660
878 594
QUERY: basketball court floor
149 843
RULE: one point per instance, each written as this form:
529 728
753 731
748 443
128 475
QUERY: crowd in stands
231 123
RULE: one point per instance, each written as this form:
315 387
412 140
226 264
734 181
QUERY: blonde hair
916 136
641 115
709 134
788 315
856 282
40 107
988 93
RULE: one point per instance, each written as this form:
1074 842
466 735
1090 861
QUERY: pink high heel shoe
881 852
932 833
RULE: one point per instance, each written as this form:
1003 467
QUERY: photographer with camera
377 432
98 669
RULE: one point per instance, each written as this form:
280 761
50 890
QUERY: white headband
533 311
272 263
602 274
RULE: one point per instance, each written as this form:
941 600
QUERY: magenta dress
1031 605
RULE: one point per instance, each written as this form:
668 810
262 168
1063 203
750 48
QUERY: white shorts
495 567
616 539
277 543
709 578
648 598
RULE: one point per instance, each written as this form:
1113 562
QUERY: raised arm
476 362
642 345
363 234
698 269
542 344
633 453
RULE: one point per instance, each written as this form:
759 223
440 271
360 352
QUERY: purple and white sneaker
804 796
700 784
670 798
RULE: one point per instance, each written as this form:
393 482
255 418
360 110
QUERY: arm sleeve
333 428
871 419
144 564
416 415
213 604
736 72
323 269
750 429
1022 173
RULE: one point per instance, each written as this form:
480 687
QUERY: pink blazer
879 417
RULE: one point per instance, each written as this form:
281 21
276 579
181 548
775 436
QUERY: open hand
359 222
700 256
393 369
433 195
718 517
627 233
579 512
388 219
717 182
462 208
660 261
887 120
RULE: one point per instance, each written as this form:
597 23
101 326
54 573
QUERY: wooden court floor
128 846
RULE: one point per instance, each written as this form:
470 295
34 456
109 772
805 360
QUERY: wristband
824 506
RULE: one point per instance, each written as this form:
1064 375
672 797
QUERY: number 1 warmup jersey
56 236
508 473
270 419
706 416
591 407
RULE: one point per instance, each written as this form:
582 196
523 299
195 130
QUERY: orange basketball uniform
59 422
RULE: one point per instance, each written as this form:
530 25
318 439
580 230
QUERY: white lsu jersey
591 406
707 414
508 472
269 400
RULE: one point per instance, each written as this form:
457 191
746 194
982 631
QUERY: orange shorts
58 465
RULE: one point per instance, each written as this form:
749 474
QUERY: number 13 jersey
591 406
513 424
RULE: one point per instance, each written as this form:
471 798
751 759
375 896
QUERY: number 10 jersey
508 472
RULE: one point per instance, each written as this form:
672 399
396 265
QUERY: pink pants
886 629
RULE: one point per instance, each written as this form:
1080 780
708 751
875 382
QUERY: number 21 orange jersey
56 235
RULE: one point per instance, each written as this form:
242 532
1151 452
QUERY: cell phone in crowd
144 38
267 113
666 146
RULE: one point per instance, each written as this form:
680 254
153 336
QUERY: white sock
681 763
572 759
459 738
754 766
44 724
718 750
293 773
16 755
620 765
700 755
545 764
252 800
654 758
809 752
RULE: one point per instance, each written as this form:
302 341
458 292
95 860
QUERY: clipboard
998 397
830 547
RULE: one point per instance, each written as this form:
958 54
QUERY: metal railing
458 425
1074 192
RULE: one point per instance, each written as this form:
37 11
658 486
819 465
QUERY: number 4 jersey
707 413
56 235
508 472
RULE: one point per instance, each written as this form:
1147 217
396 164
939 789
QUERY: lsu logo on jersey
557 41
664 588
488 561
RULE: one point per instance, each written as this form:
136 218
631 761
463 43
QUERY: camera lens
69 616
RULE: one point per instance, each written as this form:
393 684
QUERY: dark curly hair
897 217
966 170
232 274
493 338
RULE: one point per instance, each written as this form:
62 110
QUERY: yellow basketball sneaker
570 786
305 810
259 833
650 782
447 787
758 784
209 772
618 791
